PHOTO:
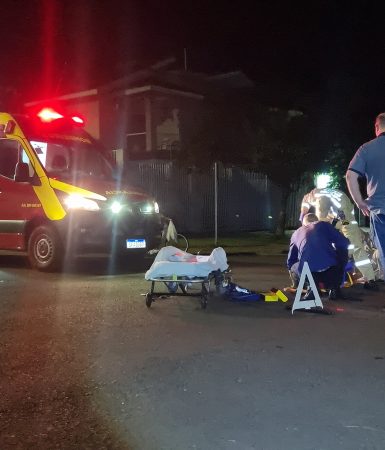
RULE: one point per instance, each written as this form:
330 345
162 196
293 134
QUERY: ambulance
61 196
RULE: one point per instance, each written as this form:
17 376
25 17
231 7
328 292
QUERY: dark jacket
318 243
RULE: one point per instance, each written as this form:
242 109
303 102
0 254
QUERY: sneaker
336 294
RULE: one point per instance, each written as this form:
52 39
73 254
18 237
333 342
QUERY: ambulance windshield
69 160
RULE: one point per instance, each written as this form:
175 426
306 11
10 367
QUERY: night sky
330 52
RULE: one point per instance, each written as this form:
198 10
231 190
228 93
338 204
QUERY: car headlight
75 201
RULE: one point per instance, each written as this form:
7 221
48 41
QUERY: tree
286 152
236 129
219 131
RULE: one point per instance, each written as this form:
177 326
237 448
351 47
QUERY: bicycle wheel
182 243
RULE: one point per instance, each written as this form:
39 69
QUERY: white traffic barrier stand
314 305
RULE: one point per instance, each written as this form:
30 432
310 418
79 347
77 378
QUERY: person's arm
292 256
354 189
338 239
305 206
304 211
341 244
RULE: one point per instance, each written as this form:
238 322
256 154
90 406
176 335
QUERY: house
150 113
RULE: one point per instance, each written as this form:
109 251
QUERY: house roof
199 83
158 78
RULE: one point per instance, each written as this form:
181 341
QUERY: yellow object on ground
274 296
269 296
281 296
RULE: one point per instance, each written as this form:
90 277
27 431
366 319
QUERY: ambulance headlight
150 208
116 207
75 201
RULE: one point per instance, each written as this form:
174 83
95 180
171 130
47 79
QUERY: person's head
379 125
309 218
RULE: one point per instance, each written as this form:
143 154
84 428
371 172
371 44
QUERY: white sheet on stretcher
172 261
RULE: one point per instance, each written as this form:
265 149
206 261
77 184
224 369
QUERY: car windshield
72 159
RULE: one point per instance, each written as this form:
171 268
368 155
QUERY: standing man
369 162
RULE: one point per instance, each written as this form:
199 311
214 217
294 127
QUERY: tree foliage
219 131
282 143
286 152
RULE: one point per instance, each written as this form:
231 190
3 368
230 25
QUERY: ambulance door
18 201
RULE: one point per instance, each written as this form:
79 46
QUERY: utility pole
216 203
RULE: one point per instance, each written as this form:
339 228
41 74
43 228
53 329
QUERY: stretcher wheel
148 300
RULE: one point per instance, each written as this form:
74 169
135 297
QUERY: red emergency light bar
49 115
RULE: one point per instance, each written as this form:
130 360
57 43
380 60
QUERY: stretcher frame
183 282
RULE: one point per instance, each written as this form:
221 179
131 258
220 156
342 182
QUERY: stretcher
182 273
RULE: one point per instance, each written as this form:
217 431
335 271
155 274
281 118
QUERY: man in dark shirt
325 250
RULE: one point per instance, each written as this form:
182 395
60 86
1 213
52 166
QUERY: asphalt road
84 364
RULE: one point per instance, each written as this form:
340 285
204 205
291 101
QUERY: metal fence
246 201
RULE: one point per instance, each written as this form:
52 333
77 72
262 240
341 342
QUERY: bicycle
169 236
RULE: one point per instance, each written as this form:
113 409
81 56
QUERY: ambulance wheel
45 249
148 300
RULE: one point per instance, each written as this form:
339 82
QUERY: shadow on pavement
86 265
106 266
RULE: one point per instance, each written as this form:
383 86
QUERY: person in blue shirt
369 163
325 250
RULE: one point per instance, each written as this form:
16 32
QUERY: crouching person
325 250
